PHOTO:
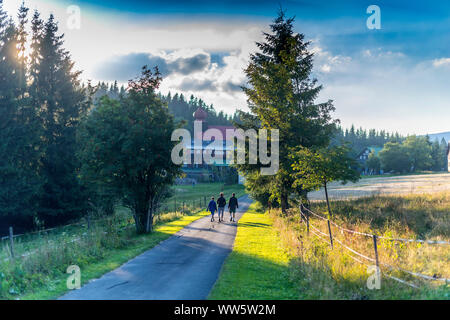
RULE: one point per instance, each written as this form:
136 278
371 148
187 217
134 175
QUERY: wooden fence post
331 236
183 207
307 224
11 241
375 247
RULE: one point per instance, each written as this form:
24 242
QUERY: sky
394 78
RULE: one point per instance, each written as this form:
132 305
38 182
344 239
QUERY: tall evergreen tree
281 96
18 149
57 93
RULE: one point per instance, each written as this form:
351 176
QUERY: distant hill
439 136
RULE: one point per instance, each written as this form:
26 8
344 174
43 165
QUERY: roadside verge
258 266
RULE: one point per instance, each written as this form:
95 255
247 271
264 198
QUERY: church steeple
200 114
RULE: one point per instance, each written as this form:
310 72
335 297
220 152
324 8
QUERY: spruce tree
61 101
19 182
281 95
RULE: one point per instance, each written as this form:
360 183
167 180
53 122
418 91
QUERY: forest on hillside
398 150
179 106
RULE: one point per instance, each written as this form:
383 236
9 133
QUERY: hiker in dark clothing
221 202
212 207
232 205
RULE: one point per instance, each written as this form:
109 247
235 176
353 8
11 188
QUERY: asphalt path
183 267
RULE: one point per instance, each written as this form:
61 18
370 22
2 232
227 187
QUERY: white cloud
441 62
371 88
389 90
325 68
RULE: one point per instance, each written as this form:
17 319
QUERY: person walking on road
212 207
221 202
232 205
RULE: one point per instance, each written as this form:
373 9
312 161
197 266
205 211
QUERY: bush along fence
330 237
16 246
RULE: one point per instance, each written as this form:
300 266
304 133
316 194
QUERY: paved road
185 266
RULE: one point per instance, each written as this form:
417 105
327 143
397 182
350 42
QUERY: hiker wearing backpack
232 205
212 207
221 202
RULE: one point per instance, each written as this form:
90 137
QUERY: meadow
41 258
325 272
377 185
276 258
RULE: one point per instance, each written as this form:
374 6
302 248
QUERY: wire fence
371 235
17 246
328 238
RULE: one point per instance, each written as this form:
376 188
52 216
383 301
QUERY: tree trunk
149 226
284 202
139 221
328 201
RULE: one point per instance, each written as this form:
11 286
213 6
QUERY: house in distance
210 171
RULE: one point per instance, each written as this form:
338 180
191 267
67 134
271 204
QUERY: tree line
179 106
66 148
414 153
41 104
399 153
358 139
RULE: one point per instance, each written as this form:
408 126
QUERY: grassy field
192 196
196 194
326 273
386 175
108 244
258 267
275 258
42 275
389 185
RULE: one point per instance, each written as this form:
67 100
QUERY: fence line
415 274
74 224
379 237
322 236
31 252
363 263
401 281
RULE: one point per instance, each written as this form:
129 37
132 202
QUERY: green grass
274 257
196 194
194 198
43 276
258 267
110 243
402 174
323 272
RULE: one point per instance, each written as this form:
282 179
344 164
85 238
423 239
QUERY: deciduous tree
315 169
126 146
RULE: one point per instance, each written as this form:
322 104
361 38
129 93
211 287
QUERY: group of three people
220 207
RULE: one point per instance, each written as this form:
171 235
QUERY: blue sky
395 78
